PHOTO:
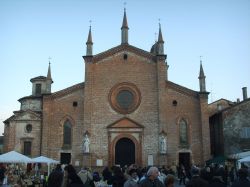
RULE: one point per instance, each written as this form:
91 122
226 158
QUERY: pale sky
31 31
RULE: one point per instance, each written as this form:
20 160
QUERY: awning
217 160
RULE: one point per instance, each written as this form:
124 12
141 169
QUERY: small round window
124 98
28 128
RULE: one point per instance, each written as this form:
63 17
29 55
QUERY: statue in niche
163 144
85 143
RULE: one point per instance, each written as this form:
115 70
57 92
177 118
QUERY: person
182 175
106 173
163 144
169 181
36 170
2 173
118 178
71 179
242 181
86 143
206 174
56 177
133 179
196 180
86 177
232 175
151 179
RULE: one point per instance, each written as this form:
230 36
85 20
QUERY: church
125 112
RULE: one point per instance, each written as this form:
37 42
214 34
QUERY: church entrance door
184 159
124 152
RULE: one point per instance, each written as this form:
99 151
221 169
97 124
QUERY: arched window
183 130
67 133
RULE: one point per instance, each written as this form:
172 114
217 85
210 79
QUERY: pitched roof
30 97
119 48
66 91
21 112
39 78
182 89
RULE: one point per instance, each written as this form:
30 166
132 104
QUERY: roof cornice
123 47
65 91
182 89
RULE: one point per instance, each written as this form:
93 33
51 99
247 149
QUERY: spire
202 78
160 42
49 71
124 29
125 22
89 43
160 38
201 71
49 80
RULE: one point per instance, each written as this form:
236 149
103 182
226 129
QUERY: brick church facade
127 108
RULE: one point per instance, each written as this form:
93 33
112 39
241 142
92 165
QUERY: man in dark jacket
56 177
196 180
243 181
151 179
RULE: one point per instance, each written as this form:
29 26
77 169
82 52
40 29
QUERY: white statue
85 144
163 144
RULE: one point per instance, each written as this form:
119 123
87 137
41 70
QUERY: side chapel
127 110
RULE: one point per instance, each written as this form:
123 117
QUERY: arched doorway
124 152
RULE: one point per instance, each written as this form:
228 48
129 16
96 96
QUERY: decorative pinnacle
125 22
49 71
89 41
160 38
202 75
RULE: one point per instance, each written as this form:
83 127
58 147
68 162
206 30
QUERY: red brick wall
155 112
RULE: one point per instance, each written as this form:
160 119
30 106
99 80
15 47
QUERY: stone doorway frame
133 139
125 128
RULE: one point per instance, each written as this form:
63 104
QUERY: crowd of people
213 175
134 176
21 175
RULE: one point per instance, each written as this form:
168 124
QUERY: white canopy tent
245 160
240 155
14 157
45 160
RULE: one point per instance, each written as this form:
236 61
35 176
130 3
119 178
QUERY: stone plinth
86 159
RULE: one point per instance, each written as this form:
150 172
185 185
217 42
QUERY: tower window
28 128
125 56
38 89
75 104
